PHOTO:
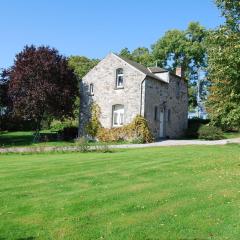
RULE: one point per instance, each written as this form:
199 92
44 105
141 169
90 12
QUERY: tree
143 56
3 91
231 11
81 65
126 53
186 49
41 85
223 66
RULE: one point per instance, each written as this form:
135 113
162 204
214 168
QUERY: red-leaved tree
41 85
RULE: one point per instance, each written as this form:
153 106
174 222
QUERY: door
161 119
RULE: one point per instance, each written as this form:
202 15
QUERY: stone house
123 89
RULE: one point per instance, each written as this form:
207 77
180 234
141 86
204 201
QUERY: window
155 113
169 115
118 115
91 89
119 78
177 89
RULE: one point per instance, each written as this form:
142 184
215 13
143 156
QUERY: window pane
156 113
119 77
121 119
91 88
115 118
118 115
120 81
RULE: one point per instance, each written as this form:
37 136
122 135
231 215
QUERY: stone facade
141 94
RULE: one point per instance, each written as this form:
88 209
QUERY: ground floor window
118 115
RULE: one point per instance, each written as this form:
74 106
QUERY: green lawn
232 134
190 192
21 138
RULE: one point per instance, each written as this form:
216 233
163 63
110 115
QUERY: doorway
161 120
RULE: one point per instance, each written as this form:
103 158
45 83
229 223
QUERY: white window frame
118 77
118 115
91 89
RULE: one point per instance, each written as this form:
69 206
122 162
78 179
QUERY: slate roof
157 70
143 69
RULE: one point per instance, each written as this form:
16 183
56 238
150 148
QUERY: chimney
179 72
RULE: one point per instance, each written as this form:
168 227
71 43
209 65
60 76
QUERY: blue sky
95 27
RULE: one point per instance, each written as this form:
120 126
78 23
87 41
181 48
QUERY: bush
194 125
83 144
104 148
94 124
137 131
209 132
69 133
57 125
10 123
111 135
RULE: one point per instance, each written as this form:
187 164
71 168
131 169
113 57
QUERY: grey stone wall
140 95
103 78
164 96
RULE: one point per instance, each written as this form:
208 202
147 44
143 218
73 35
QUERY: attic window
155 113
178 89
91 89
119 78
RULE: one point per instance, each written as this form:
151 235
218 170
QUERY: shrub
112 135
137 131
83 144
209 132
104 147
193 126
94 124
57 125
69 133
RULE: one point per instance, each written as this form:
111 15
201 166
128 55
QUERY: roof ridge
139 67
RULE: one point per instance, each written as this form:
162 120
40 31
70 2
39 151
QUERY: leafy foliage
81 65
188 50
224 65
3 89
137 131
231 11
94 124
83 144
41 84
209 132
182 48
57 125
194 126
141 55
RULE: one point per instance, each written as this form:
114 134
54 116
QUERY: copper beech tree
41 85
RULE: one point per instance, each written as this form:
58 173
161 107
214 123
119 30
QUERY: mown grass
190 192
25 138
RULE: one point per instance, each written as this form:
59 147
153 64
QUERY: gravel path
163 143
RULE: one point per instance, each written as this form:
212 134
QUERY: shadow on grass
14 139
9 139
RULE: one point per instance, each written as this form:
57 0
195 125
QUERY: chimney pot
179 72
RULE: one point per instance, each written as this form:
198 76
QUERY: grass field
190 192
25 138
